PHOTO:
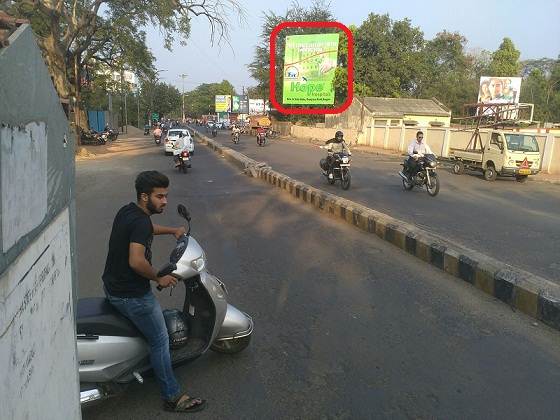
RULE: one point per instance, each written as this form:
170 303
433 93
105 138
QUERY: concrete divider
524 291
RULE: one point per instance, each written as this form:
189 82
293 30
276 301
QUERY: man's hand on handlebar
180 231
166 281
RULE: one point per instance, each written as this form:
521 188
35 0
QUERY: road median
523 291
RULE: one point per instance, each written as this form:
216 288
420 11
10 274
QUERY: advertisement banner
223 103
309 66
257 106
499 90
240 104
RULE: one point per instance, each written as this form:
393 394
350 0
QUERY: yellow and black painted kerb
531 294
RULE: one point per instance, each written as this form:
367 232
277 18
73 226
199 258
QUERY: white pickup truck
505 153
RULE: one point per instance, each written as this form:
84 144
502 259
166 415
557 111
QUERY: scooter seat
96 316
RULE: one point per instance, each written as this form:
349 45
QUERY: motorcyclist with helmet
334 146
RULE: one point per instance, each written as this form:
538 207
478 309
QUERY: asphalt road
512 222
346 325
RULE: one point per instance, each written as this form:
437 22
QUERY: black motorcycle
146 130
92 138
214 131
339 170
184 161
425 175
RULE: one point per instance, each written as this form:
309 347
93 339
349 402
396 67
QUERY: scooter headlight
199 263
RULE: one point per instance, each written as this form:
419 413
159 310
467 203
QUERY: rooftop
405 106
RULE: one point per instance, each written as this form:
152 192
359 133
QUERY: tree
388 56
200 101
259 68
543 90
505 60
445 74
73 33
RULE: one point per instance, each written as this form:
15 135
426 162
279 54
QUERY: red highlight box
274 35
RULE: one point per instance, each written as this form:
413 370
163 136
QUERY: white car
173 136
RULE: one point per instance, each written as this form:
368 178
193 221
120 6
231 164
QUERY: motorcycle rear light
185 154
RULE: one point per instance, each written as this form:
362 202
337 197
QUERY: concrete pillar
402 142
547 153
386 134
371 132
445 147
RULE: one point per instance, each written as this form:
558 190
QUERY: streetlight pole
182 76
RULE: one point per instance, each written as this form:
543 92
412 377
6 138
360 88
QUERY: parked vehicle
270 133
112 353
111 134
173 136
503 153
339 170
184 161
426 175
92 138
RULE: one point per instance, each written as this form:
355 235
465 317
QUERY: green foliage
200 101
542 88
505 60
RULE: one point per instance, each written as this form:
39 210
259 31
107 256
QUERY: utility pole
182 76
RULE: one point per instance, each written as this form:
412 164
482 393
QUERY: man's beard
152 208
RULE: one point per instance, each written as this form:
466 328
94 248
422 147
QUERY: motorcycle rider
335 145
235 130
179 147
416 149
157 133
127 275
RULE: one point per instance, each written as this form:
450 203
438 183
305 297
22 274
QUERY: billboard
499 90
256 106
223 103
240 104
309 66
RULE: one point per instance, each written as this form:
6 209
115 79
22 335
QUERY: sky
532 25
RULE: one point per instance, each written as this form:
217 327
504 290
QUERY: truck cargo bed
474 155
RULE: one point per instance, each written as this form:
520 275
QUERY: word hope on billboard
309 66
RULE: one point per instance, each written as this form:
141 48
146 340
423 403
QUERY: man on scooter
127 275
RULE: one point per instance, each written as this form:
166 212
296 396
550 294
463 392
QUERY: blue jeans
145 312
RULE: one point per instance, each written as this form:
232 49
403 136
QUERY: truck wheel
458 168
490 174
521 178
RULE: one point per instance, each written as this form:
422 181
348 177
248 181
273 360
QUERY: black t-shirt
131 224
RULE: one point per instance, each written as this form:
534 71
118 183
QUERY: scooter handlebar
166 270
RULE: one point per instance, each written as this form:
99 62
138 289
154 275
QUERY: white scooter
113 353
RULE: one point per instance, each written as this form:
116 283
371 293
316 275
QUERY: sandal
185 404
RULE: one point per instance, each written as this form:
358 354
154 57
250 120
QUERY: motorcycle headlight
199 263
433 164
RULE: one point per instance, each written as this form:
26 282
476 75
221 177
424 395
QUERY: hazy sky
532 25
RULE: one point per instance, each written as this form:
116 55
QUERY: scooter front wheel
231 346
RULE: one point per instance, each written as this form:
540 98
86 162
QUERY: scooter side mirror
183 212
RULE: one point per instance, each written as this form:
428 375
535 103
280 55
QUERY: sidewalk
133 142
541 177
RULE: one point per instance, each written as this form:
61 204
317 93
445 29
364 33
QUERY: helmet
339 135
177 327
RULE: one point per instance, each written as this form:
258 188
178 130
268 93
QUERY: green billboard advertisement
309 66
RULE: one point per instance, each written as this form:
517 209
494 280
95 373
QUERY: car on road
173 136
